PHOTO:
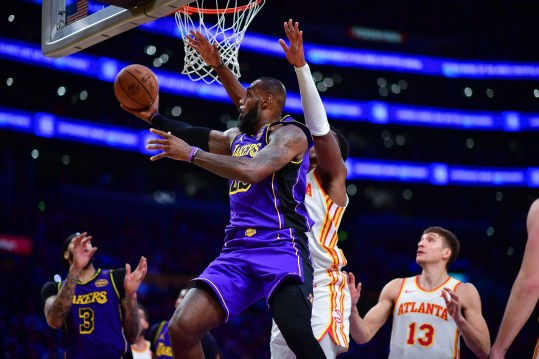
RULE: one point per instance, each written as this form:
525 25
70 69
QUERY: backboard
60 37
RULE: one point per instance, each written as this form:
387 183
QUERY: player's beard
247 121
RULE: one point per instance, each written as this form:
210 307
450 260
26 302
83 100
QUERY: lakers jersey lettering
163 350
423 308
94 324
276 201
240 151
238 186
244 150
99 297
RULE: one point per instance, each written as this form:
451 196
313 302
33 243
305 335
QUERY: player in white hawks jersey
430 311
525 292
326 201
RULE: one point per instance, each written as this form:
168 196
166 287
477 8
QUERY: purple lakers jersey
161 342
277 202
94 324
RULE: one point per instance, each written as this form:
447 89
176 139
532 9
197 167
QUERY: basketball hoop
226 27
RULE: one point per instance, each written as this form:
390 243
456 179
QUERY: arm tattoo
61 306
131 321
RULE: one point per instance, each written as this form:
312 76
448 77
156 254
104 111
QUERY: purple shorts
251 265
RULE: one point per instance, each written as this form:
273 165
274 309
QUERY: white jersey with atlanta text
331 306
331 302
422 327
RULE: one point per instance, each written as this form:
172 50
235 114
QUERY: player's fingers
159 132
158 156
93 250
85 240
451 293
141 262
199 37
283 45
127 269
157 141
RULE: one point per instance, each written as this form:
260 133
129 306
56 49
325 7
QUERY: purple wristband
192 154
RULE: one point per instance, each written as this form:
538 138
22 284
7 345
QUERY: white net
222 22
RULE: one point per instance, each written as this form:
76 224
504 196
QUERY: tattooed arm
57 307
129 303
286 143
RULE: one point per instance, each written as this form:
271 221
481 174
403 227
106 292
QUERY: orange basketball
136 87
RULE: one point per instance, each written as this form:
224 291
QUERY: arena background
174 213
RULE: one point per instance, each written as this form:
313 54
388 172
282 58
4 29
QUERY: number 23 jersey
422 326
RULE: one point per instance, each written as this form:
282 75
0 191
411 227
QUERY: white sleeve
315 113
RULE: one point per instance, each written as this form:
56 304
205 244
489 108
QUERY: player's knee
180 332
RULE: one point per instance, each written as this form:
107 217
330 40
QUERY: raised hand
355 291
294 53
208 52
82 251
170 145
453 304
133 279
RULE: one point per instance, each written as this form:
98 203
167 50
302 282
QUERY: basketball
135 87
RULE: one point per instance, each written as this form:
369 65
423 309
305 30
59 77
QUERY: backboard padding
97 27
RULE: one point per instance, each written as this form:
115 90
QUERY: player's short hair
274 87
344 145
68 240
450 240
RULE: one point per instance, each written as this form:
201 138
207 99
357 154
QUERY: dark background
112 194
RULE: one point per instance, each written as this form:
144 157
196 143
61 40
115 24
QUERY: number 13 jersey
422 327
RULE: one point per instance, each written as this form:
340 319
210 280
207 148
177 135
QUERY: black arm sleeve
48 290
196 136
118 275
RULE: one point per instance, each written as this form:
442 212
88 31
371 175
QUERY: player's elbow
530 287
54 323
360 337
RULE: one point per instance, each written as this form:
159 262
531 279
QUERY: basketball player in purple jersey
265 254
525 292
95 307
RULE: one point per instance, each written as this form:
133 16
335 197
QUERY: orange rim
190 10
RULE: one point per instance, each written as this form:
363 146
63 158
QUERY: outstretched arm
363 329
203 137
285 144
132 281
525 292
469 320
57 307
330 162
210 55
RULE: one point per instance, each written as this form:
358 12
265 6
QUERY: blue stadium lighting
487 177
106 69
365 59
440 174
